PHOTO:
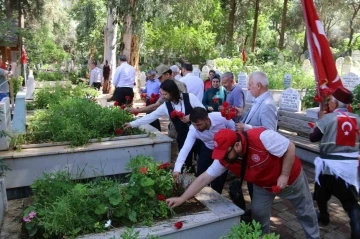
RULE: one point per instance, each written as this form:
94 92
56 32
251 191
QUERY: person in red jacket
207 82
266 159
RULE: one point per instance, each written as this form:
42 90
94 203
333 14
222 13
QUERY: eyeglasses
226 157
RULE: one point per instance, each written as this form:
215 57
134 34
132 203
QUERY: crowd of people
248 144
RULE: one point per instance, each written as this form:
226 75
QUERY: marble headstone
290 100
211 64
355 55
287 81
30 86
346 67
242 80
339 63
350 81
306 66
196 70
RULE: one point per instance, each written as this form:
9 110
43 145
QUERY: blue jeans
3 95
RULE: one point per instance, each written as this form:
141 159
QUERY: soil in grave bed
189 207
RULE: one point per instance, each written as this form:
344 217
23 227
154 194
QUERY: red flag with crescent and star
347 130
322 59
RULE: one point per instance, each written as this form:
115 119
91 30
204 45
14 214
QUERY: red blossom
173 114
229 113
116 103
127 98
118 131
275 189
216 100
311 124
143 170
135 112
226 105
143 96
123 106
152 100
164 165
180 114
178 225
161 197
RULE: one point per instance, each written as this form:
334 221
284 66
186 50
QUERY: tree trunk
256 16
8 9
110 38
305 46
283 25
231 21
356 9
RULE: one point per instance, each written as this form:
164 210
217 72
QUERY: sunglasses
226 157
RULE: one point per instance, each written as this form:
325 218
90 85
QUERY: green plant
248 231
17 82
308 100
66 208
78 120
49 76
3 168
356 101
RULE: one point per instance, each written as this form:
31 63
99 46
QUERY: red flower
275 189
229 113
135 112
164 165
216 100
152 100
173 114
161 197
123 106
223 113
143 170
180 114
178 225
127 98
311 124
118 131
116 103
317 98
143 96
226 105
155 96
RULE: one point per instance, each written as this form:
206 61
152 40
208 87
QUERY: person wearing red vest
266 159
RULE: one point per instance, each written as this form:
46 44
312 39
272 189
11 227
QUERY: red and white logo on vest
215 144
255 158
346 130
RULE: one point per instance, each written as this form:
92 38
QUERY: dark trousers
121 93
96 85
155 123
204 162
330 185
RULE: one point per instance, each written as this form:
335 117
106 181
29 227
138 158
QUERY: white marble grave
243 80
5 122
350 81
196 71
30 86
347 65
290 100
287 81
355 55
339 64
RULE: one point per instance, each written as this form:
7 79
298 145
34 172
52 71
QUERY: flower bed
66 208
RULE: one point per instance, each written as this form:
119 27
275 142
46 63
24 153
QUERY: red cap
343 95
223 140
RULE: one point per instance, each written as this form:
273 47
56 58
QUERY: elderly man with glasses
267 159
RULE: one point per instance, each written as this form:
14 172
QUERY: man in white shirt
193 83
175 72
204 127
124 82
96 77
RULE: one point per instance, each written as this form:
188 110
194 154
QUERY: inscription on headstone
355 55
242 80
287 81
350 81
290 100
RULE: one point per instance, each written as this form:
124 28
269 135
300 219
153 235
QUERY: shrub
248 231
49 76
356 102
65 208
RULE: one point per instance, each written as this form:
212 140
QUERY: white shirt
194 85
178 77
162 111
95 75
275 144
207 136
124 76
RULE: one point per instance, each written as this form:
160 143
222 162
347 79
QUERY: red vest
263 169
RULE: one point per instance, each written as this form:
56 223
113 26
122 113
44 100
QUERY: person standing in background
95 76
106 75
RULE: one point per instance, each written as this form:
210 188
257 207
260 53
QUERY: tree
256 16
283 25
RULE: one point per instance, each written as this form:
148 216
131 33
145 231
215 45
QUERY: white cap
174 68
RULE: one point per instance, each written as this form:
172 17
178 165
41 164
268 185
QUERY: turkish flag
347 131
319 49
23 56
243 54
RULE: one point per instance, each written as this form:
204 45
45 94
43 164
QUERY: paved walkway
283 219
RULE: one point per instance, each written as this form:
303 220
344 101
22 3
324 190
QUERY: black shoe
324 219
246 217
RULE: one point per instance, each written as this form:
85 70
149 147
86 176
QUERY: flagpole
311 47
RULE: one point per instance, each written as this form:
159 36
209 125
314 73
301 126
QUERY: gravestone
355 55
196 70
30 86
306 66
242 80
350 81
205 72
211 64
248 97
287 81
339 63
5 122
290 100
346 67
142 79
302 58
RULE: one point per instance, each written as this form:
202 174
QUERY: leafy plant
78 120
66 208
3 168
248 231
356 101
308 100
17 82
49 76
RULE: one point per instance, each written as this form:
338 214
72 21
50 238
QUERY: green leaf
100 209
30 225
115 200
132 216
147 182
32 231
